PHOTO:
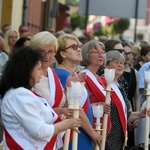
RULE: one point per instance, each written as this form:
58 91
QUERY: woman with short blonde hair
43 39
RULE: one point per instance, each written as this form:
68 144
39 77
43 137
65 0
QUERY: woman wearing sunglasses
68 57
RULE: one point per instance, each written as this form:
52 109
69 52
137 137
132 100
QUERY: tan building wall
17 10
12 13
37 12
6 12
0 11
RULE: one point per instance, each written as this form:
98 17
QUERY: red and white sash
97 88
55 89
118 100
84 101
14 140
51 144
116 96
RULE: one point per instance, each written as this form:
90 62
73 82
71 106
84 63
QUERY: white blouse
27 119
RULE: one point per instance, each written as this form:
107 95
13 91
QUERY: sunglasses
74 46
120 50
128 53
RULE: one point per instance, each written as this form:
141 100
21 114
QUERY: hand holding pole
109 76
70 106
77 89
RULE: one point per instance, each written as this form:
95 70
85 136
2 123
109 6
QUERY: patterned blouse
115 138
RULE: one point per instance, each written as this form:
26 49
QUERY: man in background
5 28
22 29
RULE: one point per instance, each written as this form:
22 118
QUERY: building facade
37 14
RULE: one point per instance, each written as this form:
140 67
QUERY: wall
34 15
12 13
0 11
6 12
17 10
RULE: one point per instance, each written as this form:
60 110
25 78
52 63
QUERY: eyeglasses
44 53
127 53
74 46
120 50
97 52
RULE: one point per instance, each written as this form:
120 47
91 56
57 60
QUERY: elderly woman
120 106
49 86
130 80
68 56
93 58
92 53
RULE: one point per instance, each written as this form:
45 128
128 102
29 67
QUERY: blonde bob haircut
42 39
86 50
62 43
113 55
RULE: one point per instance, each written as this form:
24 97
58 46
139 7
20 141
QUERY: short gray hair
112 56
86 49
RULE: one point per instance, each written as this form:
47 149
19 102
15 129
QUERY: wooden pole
75 134
98 128
108 90
67 134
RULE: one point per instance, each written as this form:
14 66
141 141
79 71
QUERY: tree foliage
117 27
121 25
78 21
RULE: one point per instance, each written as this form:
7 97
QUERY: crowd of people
35 73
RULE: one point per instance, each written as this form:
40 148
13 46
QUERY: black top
116 136
130 77
137 67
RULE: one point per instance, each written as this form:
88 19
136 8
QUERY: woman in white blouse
29 122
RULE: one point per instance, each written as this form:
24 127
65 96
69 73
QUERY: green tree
117 27
121 25
77 21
